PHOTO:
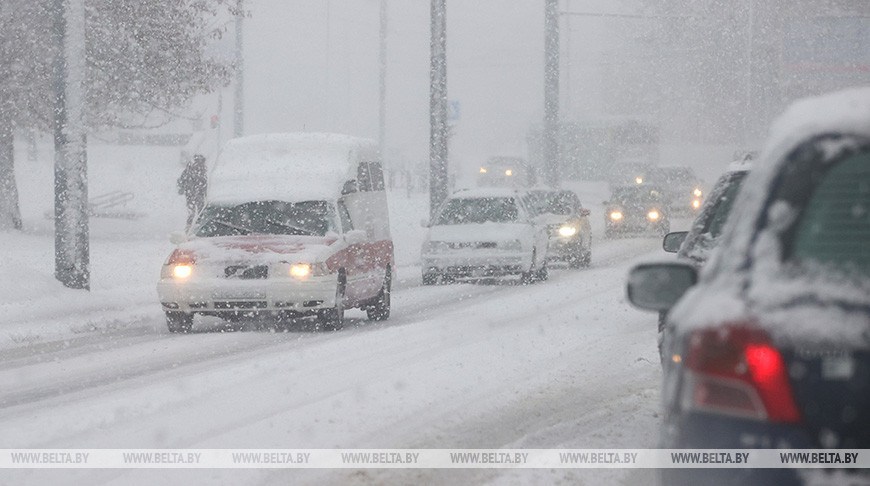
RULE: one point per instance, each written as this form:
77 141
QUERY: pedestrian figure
192 184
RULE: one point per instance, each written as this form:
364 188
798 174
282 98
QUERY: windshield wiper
244 231
298 229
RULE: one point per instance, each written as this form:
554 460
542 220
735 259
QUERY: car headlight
435 246
181 271
615 215
696 203
567 230
305 270
697 193
653 215
514 245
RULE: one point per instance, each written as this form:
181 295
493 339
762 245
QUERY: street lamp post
438 107
382 77
551 93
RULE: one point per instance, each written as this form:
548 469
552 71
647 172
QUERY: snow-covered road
561 364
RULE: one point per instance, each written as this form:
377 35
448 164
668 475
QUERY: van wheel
179 322
333 319
380 308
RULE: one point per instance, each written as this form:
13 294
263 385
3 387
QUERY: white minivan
294 225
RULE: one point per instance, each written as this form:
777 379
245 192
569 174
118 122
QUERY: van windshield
311 218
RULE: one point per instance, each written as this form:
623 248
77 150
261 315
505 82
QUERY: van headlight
653 215
302 271
697 193
177 271
567 230
435 246
615 215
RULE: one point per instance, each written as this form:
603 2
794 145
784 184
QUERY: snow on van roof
286 166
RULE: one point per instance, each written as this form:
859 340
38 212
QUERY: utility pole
382 92
71 250
239 97
438 107
747 109
551 93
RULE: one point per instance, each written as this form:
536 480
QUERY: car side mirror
658 286
355 237
674 240
424 222
178 237
349 187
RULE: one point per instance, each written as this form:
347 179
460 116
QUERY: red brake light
736 370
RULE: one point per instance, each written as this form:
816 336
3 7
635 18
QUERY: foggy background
709 74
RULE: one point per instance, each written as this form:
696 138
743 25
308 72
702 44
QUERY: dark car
633 209
567 223
682 188
771 348
505 172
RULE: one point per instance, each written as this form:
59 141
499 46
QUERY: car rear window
835 228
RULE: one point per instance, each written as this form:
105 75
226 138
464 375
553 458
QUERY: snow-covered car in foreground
294 225
772 347
567 223
482 233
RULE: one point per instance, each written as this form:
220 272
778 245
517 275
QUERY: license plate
238 295
838 367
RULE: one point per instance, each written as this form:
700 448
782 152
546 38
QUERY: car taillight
736 370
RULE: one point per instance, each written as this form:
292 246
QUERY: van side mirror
658 286
349 187
177 237
674 240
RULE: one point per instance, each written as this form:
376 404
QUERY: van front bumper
222 296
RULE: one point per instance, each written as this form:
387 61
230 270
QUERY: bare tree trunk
10 214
